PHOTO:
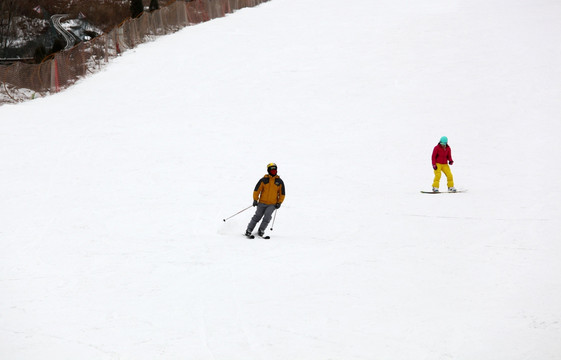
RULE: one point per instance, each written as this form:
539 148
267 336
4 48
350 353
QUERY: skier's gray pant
263 211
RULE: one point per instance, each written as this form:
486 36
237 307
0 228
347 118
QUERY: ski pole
274 218
239 212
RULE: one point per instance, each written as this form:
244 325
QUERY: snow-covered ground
113 191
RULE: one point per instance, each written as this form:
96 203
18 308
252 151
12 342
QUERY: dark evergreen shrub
137 7
154 5
39 53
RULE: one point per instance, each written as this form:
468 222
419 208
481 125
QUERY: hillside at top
24 23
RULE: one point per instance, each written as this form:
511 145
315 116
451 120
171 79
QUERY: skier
268 196
441 157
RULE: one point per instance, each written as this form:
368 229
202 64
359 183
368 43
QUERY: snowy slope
114 191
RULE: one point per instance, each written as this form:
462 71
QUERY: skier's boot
434 189
260 233
452 189
247 233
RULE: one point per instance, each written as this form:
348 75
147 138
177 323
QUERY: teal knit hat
444 140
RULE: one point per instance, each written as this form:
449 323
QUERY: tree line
21 16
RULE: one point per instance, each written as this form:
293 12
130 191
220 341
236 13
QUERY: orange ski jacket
269 190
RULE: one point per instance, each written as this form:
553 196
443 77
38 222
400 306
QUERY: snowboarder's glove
277 205
434 167
450 162
254 202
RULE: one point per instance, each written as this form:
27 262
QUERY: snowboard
443 192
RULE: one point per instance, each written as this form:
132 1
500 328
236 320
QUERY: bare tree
8 9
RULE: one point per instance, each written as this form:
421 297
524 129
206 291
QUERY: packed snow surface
113 191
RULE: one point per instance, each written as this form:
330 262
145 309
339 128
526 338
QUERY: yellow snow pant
438 173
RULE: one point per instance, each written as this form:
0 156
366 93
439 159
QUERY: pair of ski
266 237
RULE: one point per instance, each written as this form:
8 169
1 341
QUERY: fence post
55 85
185 19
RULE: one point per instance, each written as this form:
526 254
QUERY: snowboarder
441 159
268 196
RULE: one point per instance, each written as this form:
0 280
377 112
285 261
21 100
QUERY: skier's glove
277 205
434 167
450 162
254 202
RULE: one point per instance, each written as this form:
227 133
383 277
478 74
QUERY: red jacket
442 155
